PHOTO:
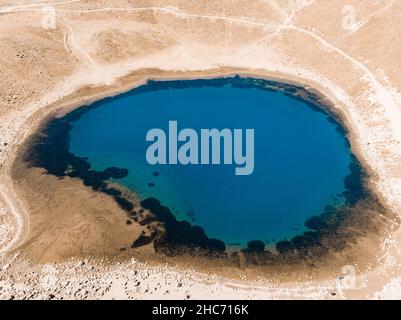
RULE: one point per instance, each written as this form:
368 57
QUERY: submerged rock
255 246
180 235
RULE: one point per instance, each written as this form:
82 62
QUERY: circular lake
301 155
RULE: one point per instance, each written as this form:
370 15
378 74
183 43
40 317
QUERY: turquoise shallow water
301 156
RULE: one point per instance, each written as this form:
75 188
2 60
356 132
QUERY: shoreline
61 108
311 98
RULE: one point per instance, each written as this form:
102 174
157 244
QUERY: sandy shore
364 90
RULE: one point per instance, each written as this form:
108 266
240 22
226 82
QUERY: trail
72 47
19 213
15 8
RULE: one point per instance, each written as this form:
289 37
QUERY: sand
96 51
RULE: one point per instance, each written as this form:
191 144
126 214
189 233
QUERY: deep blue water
301 158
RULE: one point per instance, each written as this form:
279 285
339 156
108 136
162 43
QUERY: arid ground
59 239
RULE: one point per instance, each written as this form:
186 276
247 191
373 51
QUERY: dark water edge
334 229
